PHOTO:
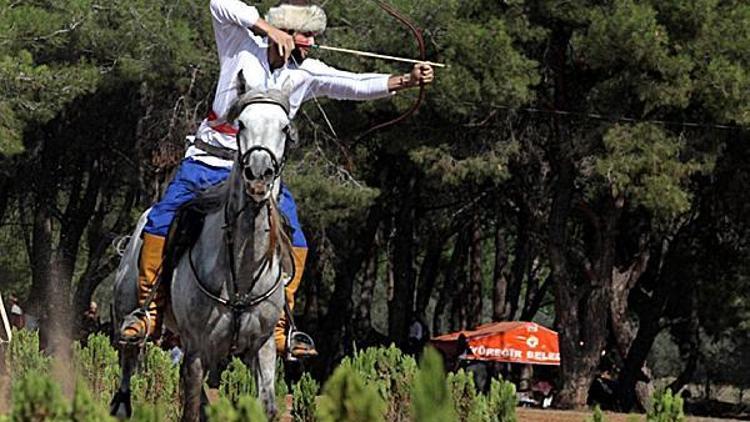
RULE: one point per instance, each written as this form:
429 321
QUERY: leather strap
220 152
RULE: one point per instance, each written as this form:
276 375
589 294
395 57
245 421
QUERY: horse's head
265 132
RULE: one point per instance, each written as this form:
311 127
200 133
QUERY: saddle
187 225
186 228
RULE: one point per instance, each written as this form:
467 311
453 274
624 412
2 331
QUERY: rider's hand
284 41
422 73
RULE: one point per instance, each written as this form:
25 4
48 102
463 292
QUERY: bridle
243 158
238 302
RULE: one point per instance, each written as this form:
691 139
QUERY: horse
227 289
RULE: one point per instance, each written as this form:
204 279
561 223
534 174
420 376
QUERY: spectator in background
17 319
91 322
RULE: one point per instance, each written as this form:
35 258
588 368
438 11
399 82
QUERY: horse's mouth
258 190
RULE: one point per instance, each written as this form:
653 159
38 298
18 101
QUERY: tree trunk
623 328
500 310
474 297
521 263
449 291
401 304
370 277
338 318
428 274
534 303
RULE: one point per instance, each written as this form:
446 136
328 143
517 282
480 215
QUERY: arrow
372 55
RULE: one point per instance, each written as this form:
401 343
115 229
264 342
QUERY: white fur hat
297 18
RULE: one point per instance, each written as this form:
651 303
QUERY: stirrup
131 319
300 342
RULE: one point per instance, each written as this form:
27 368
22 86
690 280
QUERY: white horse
227 290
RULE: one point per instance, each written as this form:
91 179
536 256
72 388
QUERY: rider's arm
327 81
339 84
236 12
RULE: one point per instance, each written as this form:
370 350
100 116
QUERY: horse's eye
248 173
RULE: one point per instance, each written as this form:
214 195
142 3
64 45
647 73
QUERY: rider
271 54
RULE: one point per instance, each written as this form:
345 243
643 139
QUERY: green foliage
304 393
37 398
431 398
248 408
98 364
56 51
464 393
157 380
347 397
666 407
237 381
324 203
281 389
86 408
149 413
392 372
502 401
644 164
24 356
597 416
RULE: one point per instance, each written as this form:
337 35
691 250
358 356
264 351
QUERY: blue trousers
191 178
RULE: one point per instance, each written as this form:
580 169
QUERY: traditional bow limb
422 55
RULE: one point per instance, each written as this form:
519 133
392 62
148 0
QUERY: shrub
237 381
281 389
85 408
666 408
393 374
303 399
502 401
248 408
149 413
98 364
597 416
464 393
431 399
37 398
157 380
24 355
347 398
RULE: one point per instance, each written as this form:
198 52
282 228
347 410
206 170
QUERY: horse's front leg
263 365
120 406
191 375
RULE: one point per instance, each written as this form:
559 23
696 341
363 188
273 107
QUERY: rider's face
304 42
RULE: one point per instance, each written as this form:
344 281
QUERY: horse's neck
247 236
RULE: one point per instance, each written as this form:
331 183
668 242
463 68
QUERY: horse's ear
234 112
241 83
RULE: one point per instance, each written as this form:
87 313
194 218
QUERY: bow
422 56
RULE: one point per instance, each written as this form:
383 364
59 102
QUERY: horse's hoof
120 407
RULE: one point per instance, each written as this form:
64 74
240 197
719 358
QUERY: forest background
580 163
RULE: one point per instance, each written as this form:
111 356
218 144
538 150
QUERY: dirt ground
548 415
542 415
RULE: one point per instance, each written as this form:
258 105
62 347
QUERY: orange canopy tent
515 342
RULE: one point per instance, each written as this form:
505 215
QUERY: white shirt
239 49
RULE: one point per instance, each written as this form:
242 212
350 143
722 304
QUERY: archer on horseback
253 54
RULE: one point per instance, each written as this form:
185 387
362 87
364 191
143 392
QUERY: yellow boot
137 326
300 344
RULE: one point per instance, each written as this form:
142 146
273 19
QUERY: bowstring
320 107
